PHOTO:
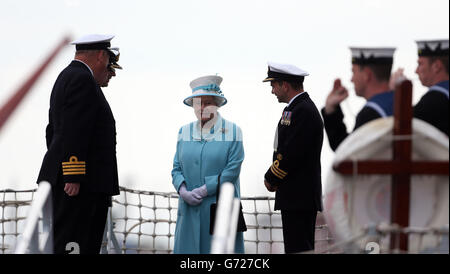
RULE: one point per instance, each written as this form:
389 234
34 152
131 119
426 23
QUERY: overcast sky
166 44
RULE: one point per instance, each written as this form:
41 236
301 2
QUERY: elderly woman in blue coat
209 151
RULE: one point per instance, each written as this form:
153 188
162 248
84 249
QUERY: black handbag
241 227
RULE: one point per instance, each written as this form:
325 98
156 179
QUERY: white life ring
353 202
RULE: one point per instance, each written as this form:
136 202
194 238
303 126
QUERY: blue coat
200 157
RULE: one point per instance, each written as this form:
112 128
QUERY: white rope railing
14 204
144 222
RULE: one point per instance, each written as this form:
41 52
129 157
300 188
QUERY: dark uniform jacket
380 105
433 106
81 134
296 162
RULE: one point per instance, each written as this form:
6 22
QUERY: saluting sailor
433 73
81 161
295 173
371 70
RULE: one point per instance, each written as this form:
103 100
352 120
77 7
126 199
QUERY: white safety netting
14 205
144 222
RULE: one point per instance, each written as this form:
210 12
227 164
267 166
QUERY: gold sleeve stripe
276 165
73 163
75 173
280 171
276 173
74 169
74 166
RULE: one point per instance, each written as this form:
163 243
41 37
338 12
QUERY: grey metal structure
228 207
32 241
110 244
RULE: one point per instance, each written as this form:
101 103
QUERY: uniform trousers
298 230
79 221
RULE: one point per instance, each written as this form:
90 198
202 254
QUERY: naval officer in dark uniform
371 70
80 163
295 173
433 73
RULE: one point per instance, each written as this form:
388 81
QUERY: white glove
201 191
189 197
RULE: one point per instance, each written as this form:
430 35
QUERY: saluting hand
336 96
396 78
72 189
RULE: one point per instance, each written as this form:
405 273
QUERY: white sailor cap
206 86
432 47
369 56
284 72
93 42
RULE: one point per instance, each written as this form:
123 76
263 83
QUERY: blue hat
206 86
